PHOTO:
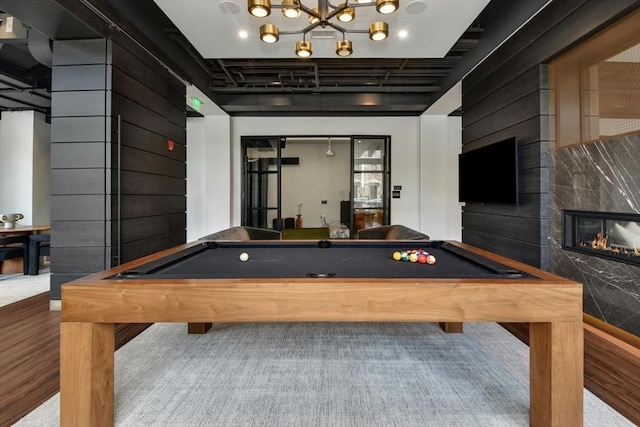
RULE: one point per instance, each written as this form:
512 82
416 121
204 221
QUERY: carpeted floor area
16 287
324 374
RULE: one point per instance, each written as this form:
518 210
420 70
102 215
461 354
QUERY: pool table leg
198 328
557 374
451 327
86 374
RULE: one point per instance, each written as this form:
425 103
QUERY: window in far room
595 87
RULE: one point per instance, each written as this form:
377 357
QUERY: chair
15 247
244 233
38 246
391 232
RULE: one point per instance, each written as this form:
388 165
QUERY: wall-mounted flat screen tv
489 174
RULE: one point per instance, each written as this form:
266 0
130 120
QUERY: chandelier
321 16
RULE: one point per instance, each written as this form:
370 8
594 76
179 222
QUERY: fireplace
609 235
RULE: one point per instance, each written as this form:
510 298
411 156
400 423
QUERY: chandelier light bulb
259 8
289 9
304 49
378 31
344 48
269 33
386 6
347 15
314 19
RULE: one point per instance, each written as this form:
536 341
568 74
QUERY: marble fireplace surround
602 176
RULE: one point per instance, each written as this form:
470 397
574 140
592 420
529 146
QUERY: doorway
315 184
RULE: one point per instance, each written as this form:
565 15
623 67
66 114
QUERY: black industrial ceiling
254 87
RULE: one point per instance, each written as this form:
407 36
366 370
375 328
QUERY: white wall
405 139
440 144
208 176
317 178
41 197
25 166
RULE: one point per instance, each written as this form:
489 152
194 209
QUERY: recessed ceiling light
243 34
229 7
403 34
416 7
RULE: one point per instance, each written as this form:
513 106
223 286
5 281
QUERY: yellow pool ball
397 256
413 257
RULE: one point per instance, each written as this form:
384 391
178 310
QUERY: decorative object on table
330 152
339 231
10 220
299 216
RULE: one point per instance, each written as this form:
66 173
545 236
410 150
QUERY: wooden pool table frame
550 304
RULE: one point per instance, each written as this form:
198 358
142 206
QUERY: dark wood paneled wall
80 89
516 108
507 95
98 85
152 110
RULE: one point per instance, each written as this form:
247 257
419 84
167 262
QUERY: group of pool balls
415 255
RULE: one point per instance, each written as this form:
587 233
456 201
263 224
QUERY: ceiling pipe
329 89
40 47
224 68
280 64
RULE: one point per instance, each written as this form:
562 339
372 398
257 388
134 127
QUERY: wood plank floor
30 355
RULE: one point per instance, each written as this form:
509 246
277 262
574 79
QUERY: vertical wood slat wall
507 95
94 81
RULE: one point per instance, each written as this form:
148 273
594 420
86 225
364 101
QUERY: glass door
371 181
363 194
261 182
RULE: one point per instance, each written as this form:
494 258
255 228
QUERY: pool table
321 281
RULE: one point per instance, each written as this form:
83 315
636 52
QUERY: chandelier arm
336 10
302 31
336 27
344 30
354 5
308 11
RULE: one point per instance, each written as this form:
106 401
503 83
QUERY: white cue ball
244 256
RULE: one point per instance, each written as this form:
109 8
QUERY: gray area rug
16 287
324 374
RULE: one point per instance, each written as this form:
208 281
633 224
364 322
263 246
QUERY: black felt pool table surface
353 259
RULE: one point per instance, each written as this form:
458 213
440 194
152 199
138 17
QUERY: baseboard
55 305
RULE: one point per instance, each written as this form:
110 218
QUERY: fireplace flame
601 243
